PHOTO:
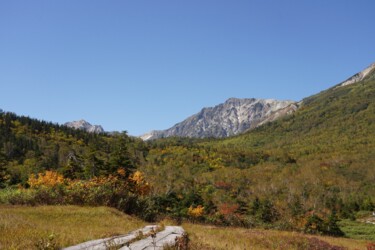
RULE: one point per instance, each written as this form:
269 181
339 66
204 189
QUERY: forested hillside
302 172
31 146
312 165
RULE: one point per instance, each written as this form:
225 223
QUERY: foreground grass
23 227
208 237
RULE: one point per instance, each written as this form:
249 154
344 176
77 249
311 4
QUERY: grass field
25 227
208 237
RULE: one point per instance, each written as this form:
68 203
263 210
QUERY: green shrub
17 196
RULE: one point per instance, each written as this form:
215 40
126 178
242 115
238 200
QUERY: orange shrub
196 212
48 179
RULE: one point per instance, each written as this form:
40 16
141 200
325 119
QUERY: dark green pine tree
3 170
120 156
94 166
331 226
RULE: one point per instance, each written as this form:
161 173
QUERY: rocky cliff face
230 118
84 125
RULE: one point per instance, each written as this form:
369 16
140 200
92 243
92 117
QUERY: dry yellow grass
209 237
22 227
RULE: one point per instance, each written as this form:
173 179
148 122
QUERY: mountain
320 158
232 117
86 126
236 116
318 161
324 122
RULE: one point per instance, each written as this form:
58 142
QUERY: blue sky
142 65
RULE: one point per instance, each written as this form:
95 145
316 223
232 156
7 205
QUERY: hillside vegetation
305 169
31 146
303 172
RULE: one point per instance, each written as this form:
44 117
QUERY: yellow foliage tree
47 179
140 185
196 212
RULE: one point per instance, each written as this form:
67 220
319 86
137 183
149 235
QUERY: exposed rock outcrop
84 125
227 119
359 76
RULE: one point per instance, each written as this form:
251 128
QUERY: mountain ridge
198 127
232 117
86 126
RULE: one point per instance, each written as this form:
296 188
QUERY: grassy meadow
24 227
210 237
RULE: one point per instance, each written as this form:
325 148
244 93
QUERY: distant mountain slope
320 158
227 119
236 116
86 126
339 119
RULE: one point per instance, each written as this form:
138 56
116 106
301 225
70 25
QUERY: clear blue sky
142 65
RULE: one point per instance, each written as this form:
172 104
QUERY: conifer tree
120 156
3 170
332 228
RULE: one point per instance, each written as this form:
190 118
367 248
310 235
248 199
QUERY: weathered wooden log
103 244
166 237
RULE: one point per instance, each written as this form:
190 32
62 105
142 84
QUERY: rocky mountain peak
84 125
232 117
238 101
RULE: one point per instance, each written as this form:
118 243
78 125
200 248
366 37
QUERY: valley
300 176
